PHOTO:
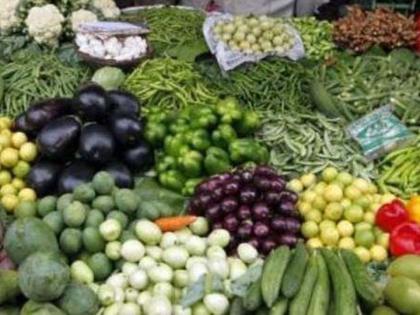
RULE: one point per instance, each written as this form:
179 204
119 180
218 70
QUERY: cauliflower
81 16
45 24
8 15
107 8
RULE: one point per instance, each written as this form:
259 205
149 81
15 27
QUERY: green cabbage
110 78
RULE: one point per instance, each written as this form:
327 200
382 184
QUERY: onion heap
254 205
255 35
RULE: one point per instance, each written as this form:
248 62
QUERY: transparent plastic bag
229 59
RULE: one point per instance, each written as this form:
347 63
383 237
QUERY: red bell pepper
405 239
390 215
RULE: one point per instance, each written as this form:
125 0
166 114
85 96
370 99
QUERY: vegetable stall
166 161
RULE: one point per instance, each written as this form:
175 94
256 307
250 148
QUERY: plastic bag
229 59
379 132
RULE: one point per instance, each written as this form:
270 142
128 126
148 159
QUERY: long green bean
36 76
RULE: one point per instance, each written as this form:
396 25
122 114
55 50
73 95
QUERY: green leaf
241 285
188 51
205 284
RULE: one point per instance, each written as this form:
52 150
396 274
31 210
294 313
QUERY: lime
333 192
333 211
329 174
364 238
18 139
27 194
21 169
28 152
310 229
26 209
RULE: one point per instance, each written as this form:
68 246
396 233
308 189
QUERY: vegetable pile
176 32
96 130
359 30
168 84
33 76
301 282
202 142
253 205
339 211
16 154
255 35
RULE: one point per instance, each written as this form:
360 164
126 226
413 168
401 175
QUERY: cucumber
237 308
344 293
272 274
321 296
295 271
323 100
280 307
300 302
363 283
253 299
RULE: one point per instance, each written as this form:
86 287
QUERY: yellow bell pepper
413 208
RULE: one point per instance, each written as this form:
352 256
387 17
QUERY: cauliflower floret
8 15
45 24
108 8
80 17
113 46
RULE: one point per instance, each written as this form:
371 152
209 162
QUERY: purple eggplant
96 144
124 103
59 138
43 177
21 124
92 103
140 157
78 172
127 130
40 114
121 173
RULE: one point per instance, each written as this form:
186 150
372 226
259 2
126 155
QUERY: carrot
171 224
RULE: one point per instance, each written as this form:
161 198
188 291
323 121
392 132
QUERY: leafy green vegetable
110 78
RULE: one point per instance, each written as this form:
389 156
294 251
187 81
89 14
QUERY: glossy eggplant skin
21 124
41 113
96 144
121 173
126 129
92 103
140 157
76 173
124 103
59 138
43 177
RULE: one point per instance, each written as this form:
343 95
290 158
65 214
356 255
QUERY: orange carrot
171 224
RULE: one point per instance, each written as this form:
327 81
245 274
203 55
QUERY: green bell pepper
248 150
229 110
249 123
200 139
190 185
175 145
165 164
180 125
190 163
155 133
216 161
204 117
173 180
223 135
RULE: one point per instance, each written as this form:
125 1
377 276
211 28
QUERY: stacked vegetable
299 282
253 205
168 84
255 35
174 272
16 154
96 130
339 211
198 142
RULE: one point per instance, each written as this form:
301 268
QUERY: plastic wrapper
380 132
229 59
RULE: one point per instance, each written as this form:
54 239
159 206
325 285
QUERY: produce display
168 186
339 211
359 30
255 35
96 130
203 142
253 205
